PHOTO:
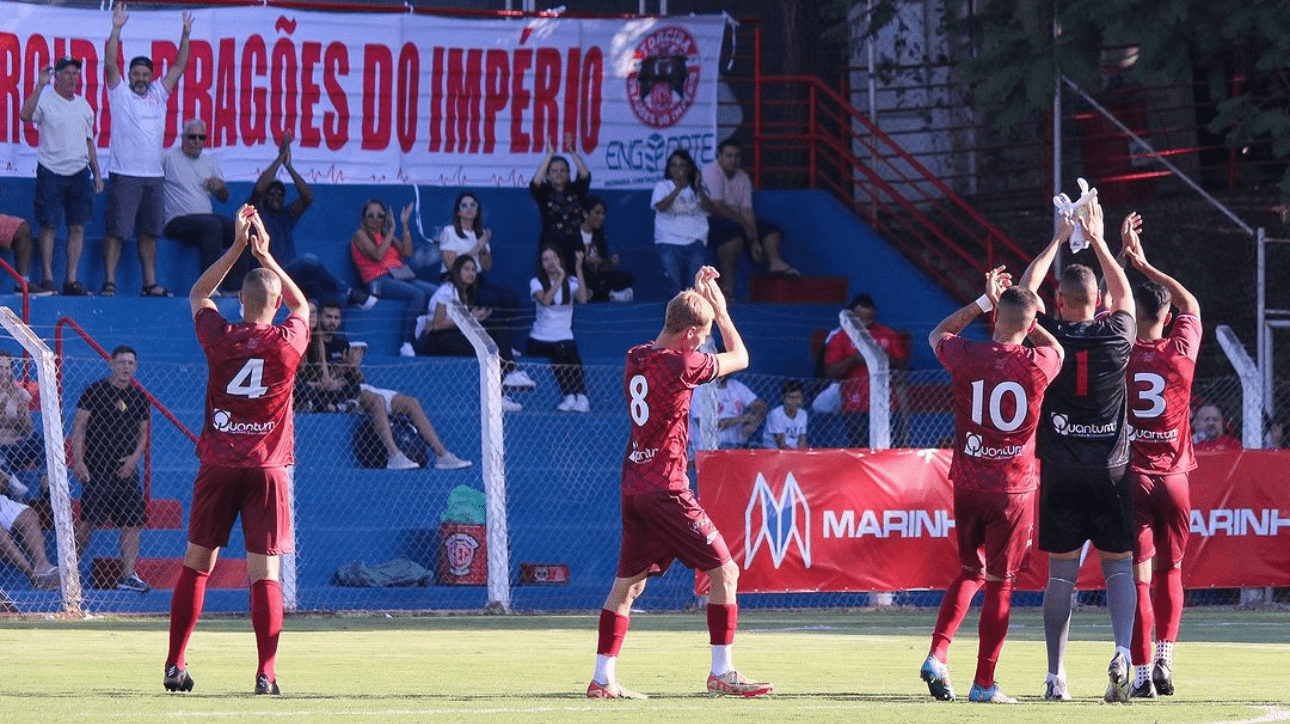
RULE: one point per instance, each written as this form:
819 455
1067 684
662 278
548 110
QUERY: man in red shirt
247 446
998 390
661 519
842 361
1161 368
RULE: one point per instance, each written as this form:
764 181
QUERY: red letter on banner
164 54
546 88
593 79
336 125
520 101
10 83
198 77
463 97
571 90
497 76
282 115
310 54
254 106
224 125
409 90
378 77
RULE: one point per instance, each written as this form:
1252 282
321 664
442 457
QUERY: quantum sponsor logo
1258 522
224 422
640 456
1064 427
888 523
777 522
976 447
1136 435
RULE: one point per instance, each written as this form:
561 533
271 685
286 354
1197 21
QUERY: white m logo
777 525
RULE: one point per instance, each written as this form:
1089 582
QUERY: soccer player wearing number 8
1160 376
1084 493
998 388
661 519
247 445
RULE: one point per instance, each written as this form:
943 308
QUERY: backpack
370 453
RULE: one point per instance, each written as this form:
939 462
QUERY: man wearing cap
66 163
138 132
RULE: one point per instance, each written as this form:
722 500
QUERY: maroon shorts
661 527
994 530
1161 512
260 495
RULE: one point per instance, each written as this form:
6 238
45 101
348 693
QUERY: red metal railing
26 297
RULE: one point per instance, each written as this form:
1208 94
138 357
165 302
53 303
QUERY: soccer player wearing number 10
247 446
1161 369
661 519
998 388
1083 443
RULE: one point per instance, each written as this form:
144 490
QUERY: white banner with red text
393 97
856 520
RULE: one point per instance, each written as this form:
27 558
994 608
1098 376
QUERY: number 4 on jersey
249 381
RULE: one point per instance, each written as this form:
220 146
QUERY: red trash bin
463 555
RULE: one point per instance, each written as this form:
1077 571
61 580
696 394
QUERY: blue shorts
722 229
63 196
131 199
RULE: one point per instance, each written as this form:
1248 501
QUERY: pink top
369 269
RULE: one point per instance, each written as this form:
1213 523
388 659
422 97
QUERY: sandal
108 290
155 290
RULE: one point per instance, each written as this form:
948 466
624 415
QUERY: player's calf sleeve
954 606
1062 574
612 630
993 629
185 608
1142 625
1168 603
266 618
723 620
1121 599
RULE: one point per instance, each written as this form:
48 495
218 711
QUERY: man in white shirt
66 162
138 132
192 178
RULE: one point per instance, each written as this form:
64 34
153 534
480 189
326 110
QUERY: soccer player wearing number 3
661 519
1084 492
247 445
998 388
1160 376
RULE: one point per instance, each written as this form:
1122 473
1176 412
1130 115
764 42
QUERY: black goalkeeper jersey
1084 418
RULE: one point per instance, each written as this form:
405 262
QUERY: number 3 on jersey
1155 385
249 381
638 387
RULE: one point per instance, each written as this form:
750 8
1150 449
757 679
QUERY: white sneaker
407 351
448 461
625 295
519 380
567 404
509 405
399 461
581 404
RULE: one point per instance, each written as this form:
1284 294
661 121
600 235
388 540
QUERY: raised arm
735 357
571 147
181 58
1182 298
295 299
199 295
540 174
1117 284
28 112
996 280
112 71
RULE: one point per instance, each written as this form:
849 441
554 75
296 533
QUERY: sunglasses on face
468 205
375 214
196 136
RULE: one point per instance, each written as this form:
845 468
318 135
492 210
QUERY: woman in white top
554 293
681 207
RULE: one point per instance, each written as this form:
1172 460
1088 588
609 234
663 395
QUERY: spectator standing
559 198
247 447
842 361
380 262
109 434
554 293
1211 431
992 469
191 179
605 282
1085 493
138 133
333 375
681 207
734 224
786 425
67 168
1160 374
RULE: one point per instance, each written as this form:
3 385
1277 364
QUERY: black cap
65 61
141 60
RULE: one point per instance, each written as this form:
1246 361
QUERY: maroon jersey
659 383
998 391
251 374
1159 377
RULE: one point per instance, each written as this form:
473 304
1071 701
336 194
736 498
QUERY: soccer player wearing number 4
1084 492
998 388
661 519
1160 376
247 446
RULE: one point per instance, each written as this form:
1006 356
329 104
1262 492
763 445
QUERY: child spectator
552 337
786 424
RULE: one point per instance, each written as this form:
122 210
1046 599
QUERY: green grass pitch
854 666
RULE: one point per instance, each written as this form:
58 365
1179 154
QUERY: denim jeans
681 263
308 272
415 291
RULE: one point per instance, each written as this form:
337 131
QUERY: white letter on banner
835 527
869 525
